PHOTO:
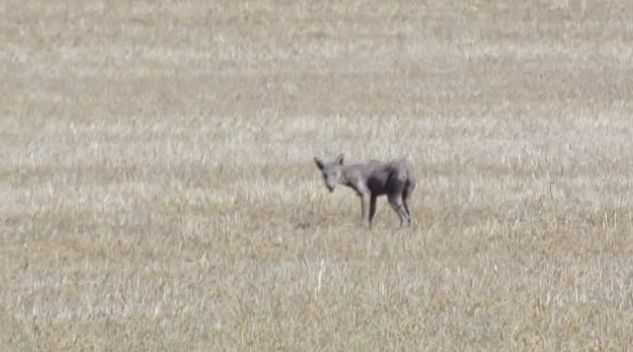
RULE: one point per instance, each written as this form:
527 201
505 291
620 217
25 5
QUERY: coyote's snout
369 180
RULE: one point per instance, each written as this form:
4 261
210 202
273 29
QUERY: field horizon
160 194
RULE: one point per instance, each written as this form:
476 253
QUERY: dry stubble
158 190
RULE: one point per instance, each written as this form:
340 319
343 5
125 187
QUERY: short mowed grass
159 191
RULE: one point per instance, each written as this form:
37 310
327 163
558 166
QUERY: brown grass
158 191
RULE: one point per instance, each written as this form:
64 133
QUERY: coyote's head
331 171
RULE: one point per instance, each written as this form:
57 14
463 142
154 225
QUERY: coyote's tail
409 186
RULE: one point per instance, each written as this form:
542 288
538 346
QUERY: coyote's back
387 177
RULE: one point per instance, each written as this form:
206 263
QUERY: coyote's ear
318 163
339 159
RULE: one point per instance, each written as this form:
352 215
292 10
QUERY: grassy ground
158 190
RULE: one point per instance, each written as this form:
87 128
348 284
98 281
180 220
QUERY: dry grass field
158 191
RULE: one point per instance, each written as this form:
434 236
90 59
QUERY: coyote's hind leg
395 200
406 194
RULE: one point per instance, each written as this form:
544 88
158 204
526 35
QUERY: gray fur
369 180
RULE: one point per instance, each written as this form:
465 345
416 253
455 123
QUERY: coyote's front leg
364 210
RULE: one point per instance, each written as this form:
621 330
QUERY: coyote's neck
346 178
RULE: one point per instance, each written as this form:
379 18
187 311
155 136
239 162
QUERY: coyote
370 180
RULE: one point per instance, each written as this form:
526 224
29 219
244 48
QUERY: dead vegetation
159 193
